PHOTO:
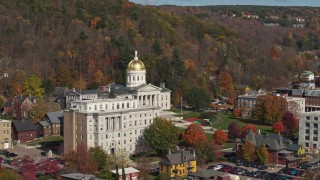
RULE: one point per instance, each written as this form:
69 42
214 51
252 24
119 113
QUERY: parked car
13 154
239 162
262 167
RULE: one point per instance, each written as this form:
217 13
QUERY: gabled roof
55 117
178 158
207 173
44 123
294 147
23 125
79 176
128 170
274 144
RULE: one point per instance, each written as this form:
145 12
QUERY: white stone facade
309 130
116 122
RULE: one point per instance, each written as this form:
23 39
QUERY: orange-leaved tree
278 127
269 108
194 133
220 136
246 128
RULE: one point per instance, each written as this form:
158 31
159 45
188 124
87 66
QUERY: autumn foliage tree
225 83
245 129
248 152
269 108
28 169
278 127
236 112
290 122
220 136
33 86
194 133
234 130
262 154
50 167
8 174
207 151
80 161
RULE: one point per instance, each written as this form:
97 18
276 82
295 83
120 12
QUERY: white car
217 167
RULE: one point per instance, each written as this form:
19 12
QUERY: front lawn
49 139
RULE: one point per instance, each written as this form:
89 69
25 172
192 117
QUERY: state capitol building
117 119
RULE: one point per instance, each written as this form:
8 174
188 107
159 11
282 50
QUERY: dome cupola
136 64
136 72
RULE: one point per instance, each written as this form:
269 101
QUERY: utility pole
181 107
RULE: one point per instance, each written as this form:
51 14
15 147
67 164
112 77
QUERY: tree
198 98
7 174
143 168
28 168
245 129
123 175
50 167
208 151
32 86
278 127
236 112
290 122
99 156
248 152
269 108
225 83
234 130
40 109
262 154
80 161
220 136
161 135
194 133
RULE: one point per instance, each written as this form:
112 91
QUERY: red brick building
19 107
23 130
277 146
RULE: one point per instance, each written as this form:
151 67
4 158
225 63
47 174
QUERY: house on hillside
23 130
179 164
5 131
43 129
51 125
19 106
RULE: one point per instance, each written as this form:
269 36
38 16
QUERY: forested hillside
87 43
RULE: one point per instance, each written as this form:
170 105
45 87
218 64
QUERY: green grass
228 145
186 113
45 140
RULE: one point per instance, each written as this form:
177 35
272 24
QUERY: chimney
162 85
74 89
169 151
193 152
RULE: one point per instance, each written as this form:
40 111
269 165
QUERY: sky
230 2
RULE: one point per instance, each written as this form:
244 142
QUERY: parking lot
245 173
34 153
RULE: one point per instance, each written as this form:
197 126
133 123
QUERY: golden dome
136 64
